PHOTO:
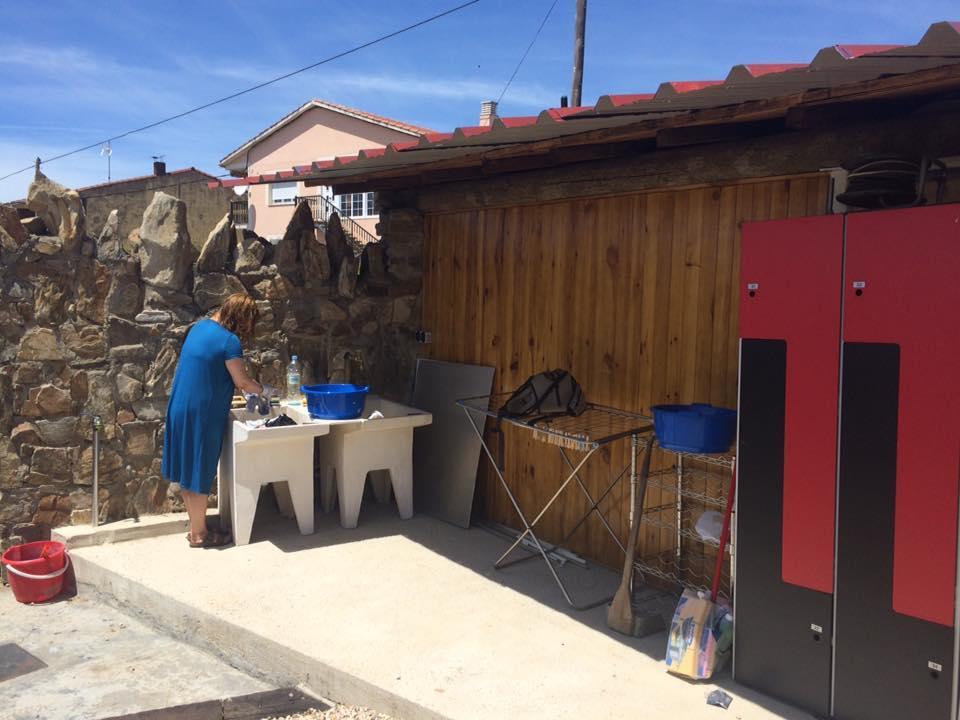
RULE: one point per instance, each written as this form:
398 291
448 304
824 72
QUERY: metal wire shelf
598 425
666 481
665 517
692 570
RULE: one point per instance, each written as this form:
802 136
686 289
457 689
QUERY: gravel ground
338 712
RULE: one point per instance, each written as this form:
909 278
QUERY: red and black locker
786 457
850 435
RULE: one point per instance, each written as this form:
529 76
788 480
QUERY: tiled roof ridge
744 82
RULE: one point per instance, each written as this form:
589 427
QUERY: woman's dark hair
239 314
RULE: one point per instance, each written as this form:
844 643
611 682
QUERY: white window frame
369 204
285 200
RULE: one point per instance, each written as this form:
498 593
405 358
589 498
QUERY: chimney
159 167
488 111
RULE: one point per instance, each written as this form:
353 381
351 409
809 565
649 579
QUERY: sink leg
380 481
351 477
281 490
402 478
328 487
244 507
301 493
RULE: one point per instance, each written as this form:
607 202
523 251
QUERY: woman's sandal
213 525
213 539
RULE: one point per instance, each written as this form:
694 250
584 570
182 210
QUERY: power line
525 52
210 104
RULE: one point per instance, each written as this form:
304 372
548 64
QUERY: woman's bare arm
240 378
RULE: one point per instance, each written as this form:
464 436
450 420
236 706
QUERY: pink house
317 130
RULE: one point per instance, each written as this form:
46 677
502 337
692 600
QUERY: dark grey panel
446 453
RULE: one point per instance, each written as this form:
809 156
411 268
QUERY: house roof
369 117
183 171
749 93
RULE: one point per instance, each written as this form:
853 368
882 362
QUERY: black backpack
550 393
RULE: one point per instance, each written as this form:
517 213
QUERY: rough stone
53 462
109 244
60 209
211 290
313 254
159 378
403 309
85 343
166 253
327 311
286 254
140 439
373 264
12 232
154 317
49 302
34 226
216 250
338 249
128 389
101 400
133 370
26 434
58 432
10 465
131 243
79 387
125 297
92 286
177 304
110 467
280 289
39 344
129 353
150 409
48 400
20 292
28 373
250 251
125 416
149 497
121 331
347 278
47 244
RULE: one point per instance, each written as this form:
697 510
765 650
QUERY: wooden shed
605 240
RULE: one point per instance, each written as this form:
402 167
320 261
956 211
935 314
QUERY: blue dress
199 406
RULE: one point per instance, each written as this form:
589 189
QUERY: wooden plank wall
635 294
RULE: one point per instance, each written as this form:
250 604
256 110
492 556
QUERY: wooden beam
931 132
704 134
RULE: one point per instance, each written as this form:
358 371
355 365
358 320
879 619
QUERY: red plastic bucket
35 571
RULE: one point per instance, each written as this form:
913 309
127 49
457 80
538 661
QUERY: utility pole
580 27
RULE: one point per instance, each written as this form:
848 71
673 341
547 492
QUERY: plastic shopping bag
692 641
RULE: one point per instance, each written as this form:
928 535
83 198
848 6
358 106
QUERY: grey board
446 453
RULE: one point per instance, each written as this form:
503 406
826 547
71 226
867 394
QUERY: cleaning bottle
293 382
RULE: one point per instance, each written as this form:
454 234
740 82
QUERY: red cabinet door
902 288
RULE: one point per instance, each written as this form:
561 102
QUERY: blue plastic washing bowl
335 402
698 428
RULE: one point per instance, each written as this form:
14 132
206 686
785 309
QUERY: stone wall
95 326
205 206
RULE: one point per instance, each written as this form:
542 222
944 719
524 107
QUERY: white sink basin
355 447
254 456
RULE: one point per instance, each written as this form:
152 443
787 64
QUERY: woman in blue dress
210 366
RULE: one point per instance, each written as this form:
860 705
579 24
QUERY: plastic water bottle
293 382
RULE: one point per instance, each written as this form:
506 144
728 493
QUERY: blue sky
73 73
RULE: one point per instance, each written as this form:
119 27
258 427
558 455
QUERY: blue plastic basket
335 402
698 428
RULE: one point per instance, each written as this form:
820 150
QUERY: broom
620 615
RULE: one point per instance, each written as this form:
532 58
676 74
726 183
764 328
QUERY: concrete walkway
408 618
101 663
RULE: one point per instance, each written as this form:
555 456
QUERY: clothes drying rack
595 428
